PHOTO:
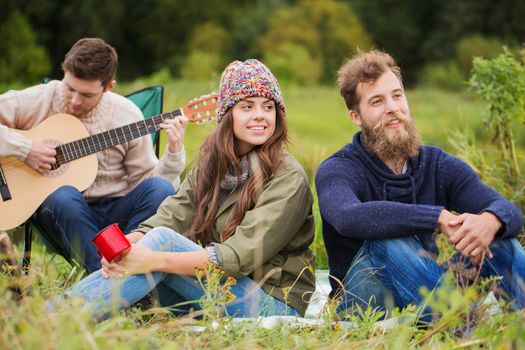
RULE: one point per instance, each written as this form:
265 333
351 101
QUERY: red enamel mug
111 243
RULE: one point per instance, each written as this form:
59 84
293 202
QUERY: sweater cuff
426 217
511 222
175 156
21 145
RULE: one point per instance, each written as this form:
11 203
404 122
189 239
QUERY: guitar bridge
4 192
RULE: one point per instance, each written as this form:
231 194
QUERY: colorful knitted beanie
241 80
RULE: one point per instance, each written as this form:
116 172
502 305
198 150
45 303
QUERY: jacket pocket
271 272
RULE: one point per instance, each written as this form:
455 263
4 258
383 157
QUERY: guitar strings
95 143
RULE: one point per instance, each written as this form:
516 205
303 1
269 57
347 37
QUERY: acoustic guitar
22 189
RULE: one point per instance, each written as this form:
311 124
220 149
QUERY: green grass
464 323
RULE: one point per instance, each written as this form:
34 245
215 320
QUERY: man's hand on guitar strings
175 129
40 157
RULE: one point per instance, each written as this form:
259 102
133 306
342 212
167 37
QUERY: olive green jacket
271 243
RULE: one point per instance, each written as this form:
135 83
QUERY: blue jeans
390 272
105 294
71 222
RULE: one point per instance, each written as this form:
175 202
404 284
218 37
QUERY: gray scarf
231 180
249 166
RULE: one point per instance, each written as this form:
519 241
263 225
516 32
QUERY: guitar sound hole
57 169
56 172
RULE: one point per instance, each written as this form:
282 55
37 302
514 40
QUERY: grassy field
319 126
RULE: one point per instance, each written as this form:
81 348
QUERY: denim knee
362 286
167 240
159 186
63 196
509 246
397 248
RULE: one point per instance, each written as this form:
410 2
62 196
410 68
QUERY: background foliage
304 41
500 82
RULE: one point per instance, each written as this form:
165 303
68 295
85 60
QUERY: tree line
303 41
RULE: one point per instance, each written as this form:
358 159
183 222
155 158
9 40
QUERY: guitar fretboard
98 142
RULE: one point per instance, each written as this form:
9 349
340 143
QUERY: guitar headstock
202 109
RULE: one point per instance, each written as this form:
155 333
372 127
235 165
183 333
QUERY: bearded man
384 197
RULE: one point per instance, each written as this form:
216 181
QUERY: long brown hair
217 155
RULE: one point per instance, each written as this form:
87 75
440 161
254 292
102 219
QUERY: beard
387 143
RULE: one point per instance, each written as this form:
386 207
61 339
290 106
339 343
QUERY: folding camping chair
150 100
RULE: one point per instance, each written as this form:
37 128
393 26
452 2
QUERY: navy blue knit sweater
360 198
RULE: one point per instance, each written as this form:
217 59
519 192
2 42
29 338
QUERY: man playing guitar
130 182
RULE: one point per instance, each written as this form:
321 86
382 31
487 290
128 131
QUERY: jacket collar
228 202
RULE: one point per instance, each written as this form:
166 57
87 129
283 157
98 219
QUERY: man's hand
474 234
445 217
40 157
175 129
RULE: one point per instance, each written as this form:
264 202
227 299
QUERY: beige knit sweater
120 168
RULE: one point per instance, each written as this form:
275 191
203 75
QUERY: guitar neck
98 142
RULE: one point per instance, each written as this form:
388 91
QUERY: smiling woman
253 122
246 207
